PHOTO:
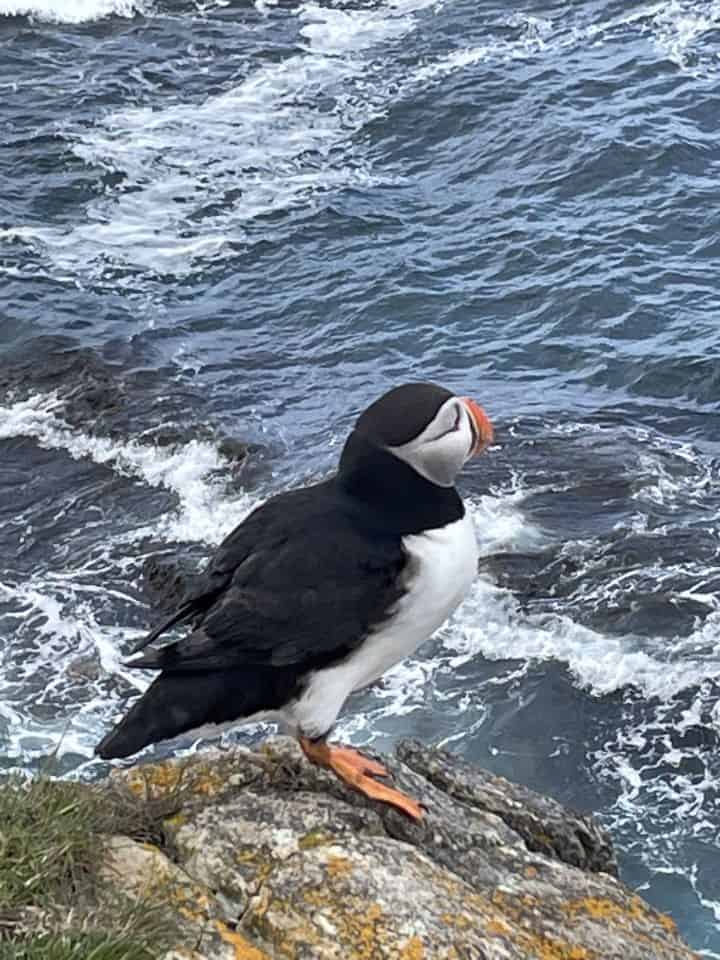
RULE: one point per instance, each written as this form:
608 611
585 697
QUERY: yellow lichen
176 821
601 908
278 923
362 927
157 780
246 855
413 950
460 920
633 910
244 950
316 838
521 910
191 901
261 902
547 948
339 866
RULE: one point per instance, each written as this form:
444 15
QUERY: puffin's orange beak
482 428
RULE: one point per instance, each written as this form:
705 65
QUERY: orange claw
357 771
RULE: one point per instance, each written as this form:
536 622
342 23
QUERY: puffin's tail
175 703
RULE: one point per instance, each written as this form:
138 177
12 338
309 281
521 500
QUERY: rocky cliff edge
263 856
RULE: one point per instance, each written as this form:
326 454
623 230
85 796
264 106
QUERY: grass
88 946
52 905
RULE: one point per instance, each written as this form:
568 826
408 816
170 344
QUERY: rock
268 857
544 824
92 391
235 450
85 667
250 462
112 394
166 582
140 870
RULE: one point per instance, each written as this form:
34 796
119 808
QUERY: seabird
323 588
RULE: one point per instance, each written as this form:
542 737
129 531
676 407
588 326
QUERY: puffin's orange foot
358 771
357 761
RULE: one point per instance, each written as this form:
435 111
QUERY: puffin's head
427 427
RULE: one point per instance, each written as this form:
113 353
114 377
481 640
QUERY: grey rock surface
268 857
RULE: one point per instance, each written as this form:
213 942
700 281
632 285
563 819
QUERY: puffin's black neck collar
391 491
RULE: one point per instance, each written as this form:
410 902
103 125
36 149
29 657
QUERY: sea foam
72 11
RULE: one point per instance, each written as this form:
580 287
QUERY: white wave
534 29
51 630
665 785
400 693
62 627
501 525
680 489
198 177
677 26
204 513
72 11
333 31
535 37
492 623
638 15
675 472
457 60
496 627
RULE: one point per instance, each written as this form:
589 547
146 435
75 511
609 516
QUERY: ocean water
225 227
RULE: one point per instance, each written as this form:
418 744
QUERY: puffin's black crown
402 413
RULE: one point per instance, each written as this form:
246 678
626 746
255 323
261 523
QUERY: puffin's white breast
442 564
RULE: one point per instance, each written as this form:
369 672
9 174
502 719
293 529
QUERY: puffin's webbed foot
358 771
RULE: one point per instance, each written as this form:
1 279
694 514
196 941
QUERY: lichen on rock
270 857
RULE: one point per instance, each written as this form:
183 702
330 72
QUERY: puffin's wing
304 596
303 605
259 528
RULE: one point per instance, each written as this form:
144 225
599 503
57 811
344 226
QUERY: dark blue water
226 227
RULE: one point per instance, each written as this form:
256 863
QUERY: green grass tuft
51 848
89 946
47 842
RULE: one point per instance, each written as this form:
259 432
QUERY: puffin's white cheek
442 459
437 470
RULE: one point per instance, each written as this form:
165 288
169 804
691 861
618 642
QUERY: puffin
323 588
